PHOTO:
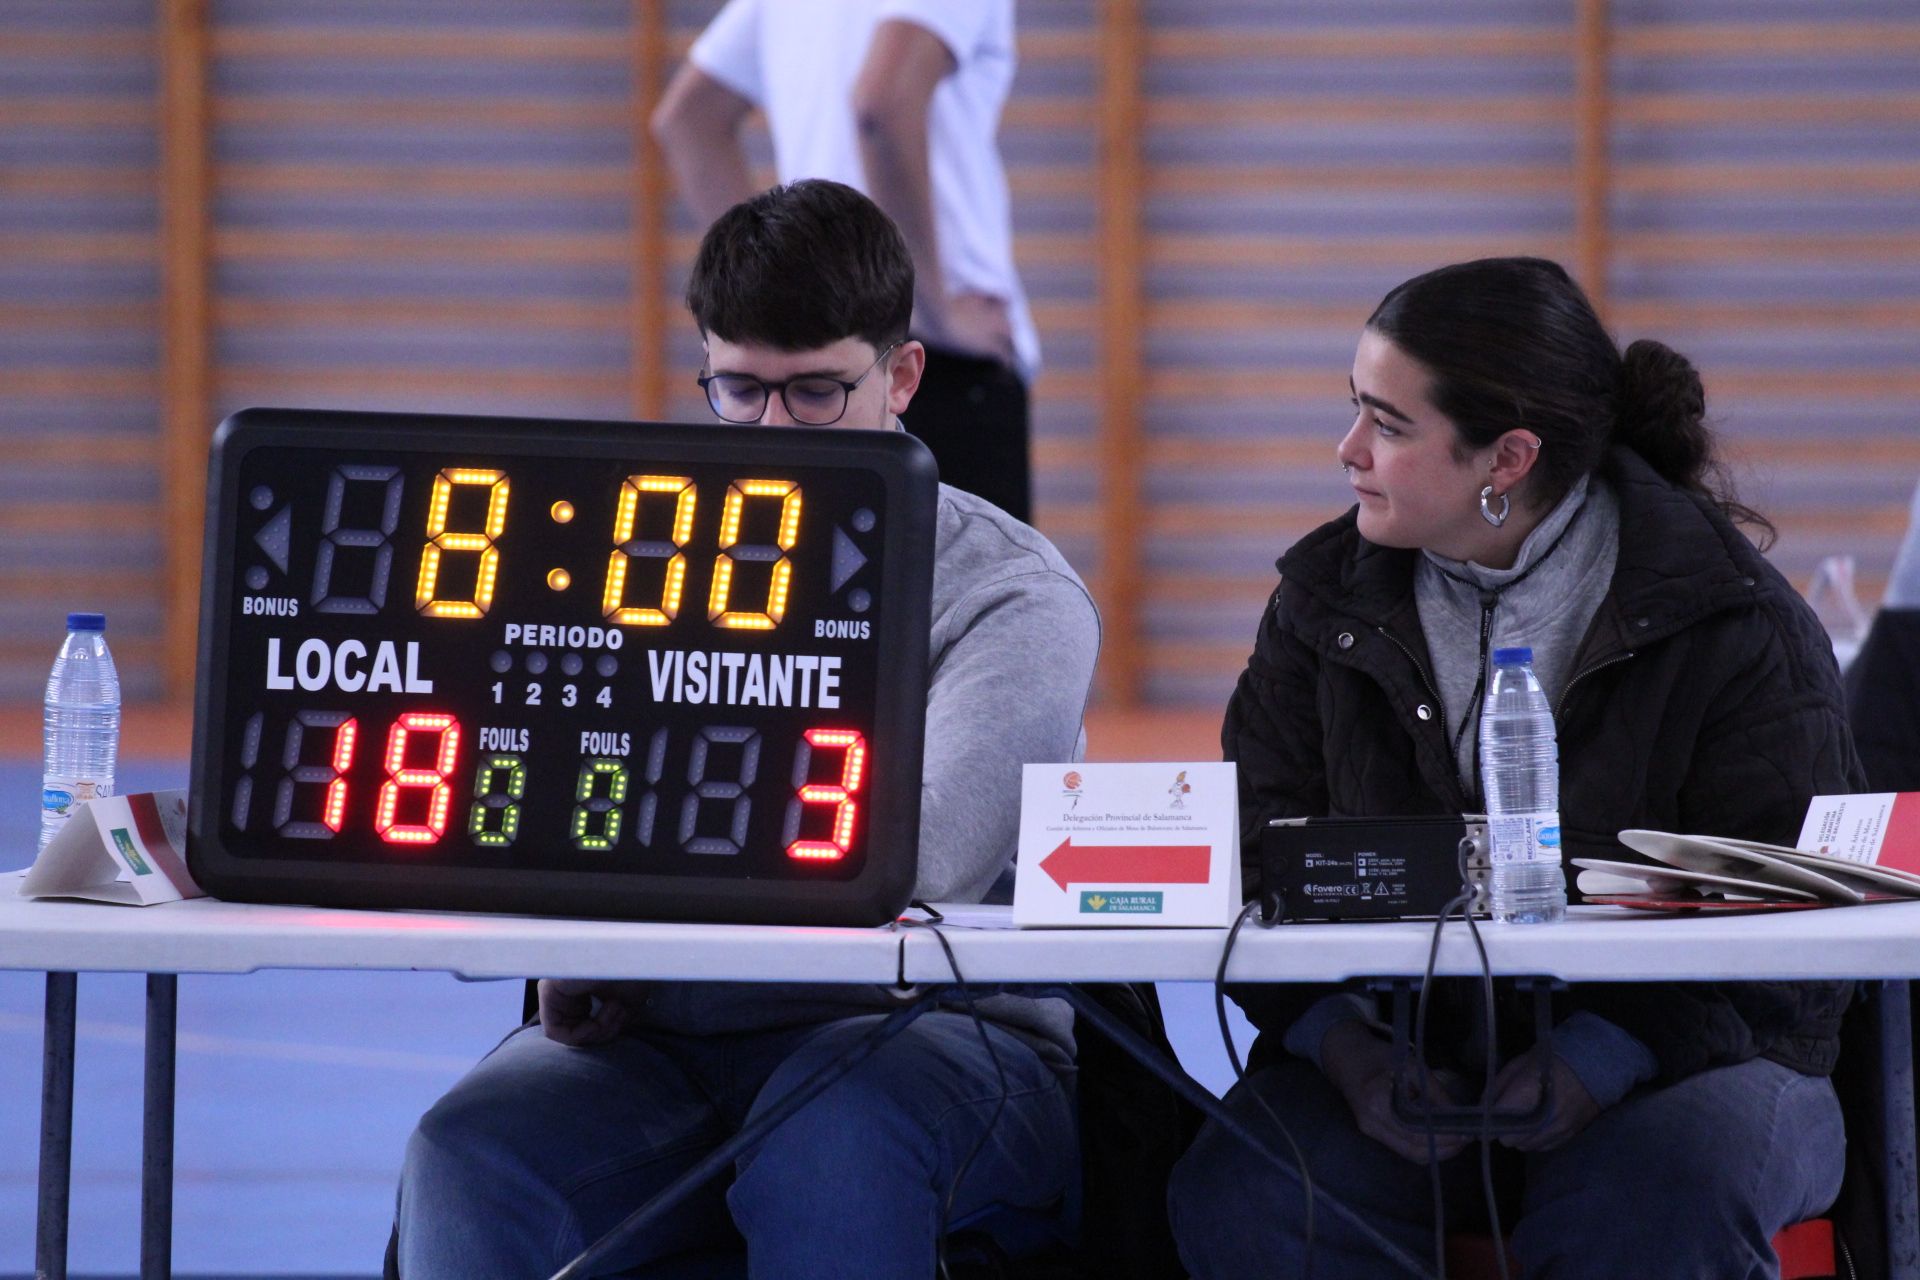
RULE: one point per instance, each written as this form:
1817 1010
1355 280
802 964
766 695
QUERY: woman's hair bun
1660 385
1663 410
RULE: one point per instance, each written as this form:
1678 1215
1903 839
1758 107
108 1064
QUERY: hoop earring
1487 513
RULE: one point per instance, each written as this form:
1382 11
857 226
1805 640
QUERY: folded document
1852 848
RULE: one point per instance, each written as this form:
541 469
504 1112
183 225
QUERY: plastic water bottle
1520 773
82 725
1834 603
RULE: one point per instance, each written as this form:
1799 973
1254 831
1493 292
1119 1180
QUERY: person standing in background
1903 582
1883 681
900 99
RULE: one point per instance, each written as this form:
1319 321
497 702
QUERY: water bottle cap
1512 657
86 622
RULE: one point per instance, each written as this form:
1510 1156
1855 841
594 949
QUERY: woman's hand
1360 1065
1517 1088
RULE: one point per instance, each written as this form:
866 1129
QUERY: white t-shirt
797 61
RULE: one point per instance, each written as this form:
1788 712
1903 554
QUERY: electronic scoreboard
582 668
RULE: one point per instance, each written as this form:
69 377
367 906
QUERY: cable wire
1240 1076
1426 1091
1299 1169
1486 1089
1000 1072
1463 903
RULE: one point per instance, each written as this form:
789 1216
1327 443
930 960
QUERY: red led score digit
852 774
331 775
336 805
399 776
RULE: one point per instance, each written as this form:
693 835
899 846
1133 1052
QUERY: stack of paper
1853 849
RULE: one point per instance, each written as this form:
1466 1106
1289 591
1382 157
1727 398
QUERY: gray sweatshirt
1011 657
1548 607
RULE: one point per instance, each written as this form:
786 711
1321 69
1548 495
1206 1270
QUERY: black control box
1370 868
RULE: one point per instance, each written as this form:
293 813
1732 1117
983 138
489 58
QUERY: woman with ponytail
1520 481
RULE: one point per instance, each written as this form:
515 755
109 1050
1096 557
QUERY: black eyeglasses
814 400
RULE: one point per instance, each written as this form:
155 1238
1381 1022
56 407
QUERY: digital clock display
587 668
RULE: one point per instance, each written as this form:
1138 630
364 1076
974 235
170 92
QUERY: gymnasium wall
448 204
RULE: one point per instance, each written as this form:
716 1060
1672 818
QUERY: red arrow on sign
1126 863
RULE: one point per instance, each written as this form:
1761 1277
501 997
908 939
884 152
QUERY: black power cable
1233 1056
999 1070
1463 903
1299 1169
1486 1090
1240 1077
1426 1091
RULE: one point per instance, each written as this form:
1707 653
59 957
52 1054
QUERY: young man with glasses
802 295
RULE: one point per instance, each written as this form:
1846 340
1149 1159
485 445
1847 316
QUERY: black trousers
972 413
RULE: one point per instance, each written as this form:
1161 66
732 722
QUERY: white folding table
1878 942
1612 944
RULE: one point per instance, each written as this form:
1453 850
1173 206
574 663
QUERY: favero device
583 668
1371 868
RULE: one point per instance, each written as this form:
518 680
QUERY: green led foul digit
596 818
490 797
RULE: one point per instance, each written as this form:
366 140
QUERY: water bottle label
58 796
1525 837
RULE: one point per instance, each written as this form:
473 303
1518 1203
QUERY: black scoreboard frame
877 893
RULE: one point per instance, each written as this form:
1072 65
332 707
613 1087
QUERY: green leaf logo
130 853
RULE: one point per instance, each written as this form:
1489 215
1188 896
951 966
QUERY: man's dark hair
803 266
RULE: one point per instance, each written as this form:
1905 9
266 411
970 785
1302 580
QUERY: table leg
56 1129
1897 1115
156 1148
722 1157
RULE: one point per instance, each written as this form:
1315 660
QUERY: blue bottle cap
1512 657
86 622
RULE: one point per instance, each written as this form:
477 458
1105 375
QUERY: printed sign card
1128 844
1878 828
125 849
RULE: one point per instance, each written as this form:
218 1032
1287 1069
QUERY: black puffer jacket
1704 698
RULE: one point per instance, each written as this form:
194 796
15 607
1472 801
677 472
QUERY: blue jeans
542 1148
1691 1180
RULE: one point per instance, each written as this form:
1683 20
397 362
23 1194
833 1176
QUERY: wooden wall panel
1738 183
445 205
1768 228
425 206
1303 160
80 496
186 331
